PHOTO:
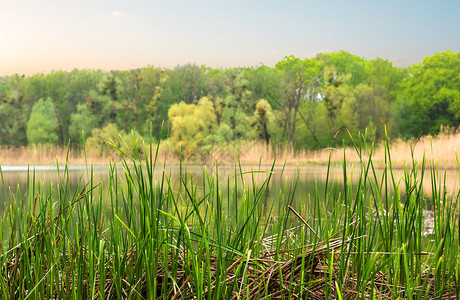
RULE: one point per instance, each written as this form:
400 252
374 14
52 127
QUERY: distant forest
298 104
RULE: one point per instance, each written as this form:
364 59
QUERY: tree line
299 103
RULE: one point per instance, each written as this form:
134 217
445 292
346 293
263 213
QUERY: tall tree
300 77
43 125
237 103
348 64
262 121
376 97
13 128
191 124
140 91
97 111
57 86
263 83
430 95
335 92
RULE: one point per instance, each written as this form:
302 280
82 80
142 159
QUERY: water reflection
17 180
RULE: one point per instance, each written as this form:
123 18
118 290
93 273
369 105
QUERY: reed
47 154
442 148
152 236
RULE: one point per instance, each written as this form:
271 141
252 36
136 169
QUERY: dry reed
441 148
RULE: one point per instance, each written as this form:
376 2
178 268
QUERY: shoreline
181 242
440 150
77 165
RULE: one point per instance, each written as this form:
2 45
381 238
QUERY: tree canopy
298 104
42 126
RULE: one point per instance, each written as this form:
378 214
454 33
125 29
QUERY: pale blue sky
39 36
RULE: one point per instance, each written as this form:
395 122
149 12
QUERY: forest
298 104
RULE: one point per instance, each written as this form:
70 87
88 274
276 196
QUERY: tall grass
149 238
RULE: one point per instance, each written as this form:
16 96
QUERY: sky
41 36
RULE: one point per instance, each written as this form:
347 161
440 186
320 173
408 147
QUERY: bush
102 138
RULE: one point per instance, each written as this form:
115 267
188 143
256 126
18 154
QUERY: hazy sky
42 35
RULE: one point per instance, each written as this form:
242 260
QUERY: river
16 180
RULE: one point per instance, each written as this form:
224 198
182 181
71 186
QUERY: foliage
345 63
42 126
96 112
103 139
191 124
82 122
139 91
222 135
430 96
312 101
261 123
13 128
299 83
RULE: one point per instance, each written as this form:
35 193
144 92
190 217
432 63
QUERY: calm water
14 181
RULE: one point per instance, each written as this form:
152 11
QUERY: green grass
139 234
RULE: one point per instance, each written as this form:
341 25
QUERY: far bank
441 149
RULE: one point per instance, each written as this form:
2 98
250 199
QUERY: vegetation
42 126
300 104
148 237
440 148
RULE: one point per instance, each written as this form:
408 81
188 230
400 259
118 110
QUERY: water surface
16 181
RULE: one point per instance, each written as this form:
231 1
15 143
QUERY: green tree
237 105
57 88
344 74
335 92
101 141
83 121
430 95
191 124
264 83
375 98
183 84
140 91
300 78
262 121
222 135
109 85
81 82
318 133
187 83
215 82
42 125
82 87
96 112
33 88
13 128
344 63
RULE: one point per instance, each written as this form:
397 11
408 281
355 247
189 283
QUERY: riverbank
148 238
441 149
